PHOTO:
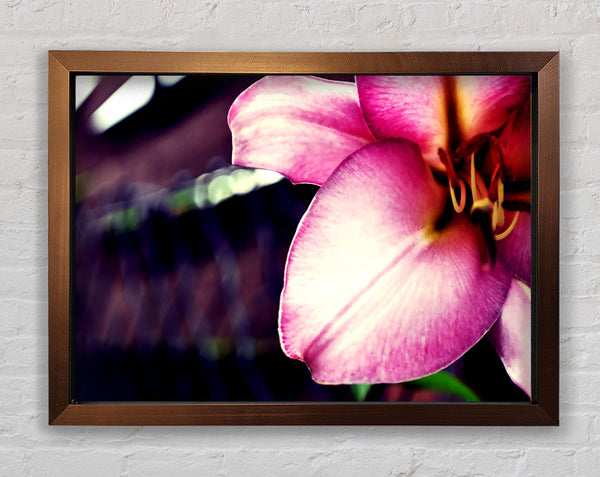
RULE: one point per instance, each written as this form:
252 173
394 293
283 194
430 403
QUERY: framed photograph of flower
303 238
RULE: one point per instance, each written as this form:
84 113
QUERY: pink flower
417 244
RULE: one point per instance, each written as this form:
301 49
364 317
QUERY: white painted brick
182 463
431 16
477 16
22 355
579 238
41 15
263 18
363 461
334 16
579 351
587 461
578 312
582 203
204 13
580 88
24 283
380 17
137 15
17 428
533 42
585 15
19 168
593 128
573 431
24 248
300 462
553 18
92 463
548 462
15 462
580 388
89 15
22 317
19 131
468 462
579 167
581 279
128 41
583 51
595 431
572 126
23 391
25 87
7 15
430 468
23 207
518 16
30 28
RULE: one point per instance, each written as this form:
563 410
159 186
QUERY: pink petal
515 140
373 292
511 335
515 250
418 107
411 107
299 126
484 103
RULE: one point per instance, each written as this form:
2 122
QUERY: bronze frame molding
544 68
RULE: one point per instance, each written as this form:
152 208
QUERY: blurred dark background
179 256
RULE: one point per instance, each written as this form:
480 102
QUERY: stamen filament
481 189
500 191
510 228
494 182
463 196
473 181
500 201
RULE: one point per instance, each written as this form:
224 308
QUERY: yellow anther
497 216
500 215
463 196
500 220
510 228
485 205
500 191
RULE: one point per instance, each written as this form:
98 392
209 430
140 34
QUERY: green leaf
447 383
360 391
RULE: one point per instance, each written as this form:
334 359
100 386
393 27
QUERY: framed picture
303 238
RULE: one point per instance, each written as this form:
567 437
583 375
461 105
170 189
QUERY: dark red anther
497 152
493 189
467 148
449 166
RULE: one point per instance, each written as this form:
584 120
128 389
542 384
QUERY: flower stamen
484 205
463 196
473 181
495 216
498 213
510 228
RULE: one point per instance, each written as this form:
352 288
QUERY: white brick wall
31 27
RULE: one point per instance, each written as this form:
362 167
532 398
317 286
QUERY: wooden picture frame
543 68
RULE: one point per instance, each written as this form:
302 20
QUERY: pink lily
417 244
